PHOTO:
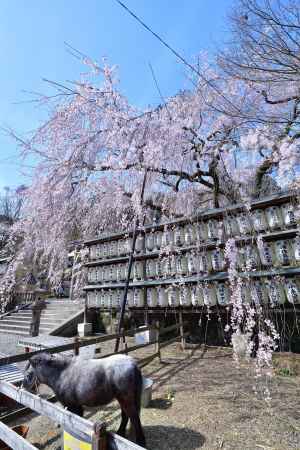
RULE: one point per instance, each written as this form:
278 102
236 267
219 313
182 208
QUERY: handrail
68 420
62 348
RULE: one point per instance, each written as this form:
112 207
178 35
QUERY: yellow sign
72 443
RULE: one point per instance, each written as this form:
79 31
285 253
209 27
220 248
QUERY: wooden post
76 346
157 344
182 340
99 439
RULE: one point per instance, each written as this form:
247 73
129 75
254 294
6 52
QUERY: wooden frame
86 430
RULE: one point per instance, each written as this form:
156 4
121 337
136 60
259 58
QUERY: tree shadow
168 437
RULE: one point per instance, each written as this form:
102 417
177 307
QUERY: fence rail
95 433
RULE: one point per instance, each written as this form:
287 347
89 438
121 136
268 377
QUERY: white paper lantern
244 224
212 229
288 213
179 236
162 296
274 217
292 290
189 235
217 259
150 243
284 252
152 297
209 295
138 298
139 243
259 220
173 296
223 295
158 240
197 295
275 292
185 296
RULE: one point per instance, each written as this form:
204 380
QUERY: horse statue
79 383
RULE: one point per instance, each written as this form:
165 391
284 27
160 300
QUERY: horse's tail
138 388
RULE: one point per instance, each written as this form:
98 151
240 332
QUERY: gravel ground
201 400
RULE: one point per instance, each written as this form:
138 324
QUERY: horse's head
36 371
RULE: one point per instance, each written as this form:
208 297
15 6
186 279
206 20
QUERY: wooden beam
59 415
210 214
13 439
62 348
219 276
116 442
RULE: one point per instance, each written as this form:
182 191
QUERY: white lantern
212 229
259 220
288 212
189 235
284 252
93 249
139 243
173 296
231 226
244 224
159 268
191 263
197 295
217 259
275 292
166 267
204 263
113 248
162 296
90 298
128 246
266 253
258 293
137 270
158 240
222 292
185 296
209 295
201 231
292 290
99 251
102 298
181 265
296 246
168 238
138 298
152 298
252 259
150 268
89 275
130 301
179 236
274 217
245 293
150 242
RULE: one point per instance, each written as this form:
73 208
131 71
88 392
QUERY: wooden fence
93 433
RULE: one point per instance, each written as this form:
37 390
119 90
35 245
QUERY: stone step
19 333
16 328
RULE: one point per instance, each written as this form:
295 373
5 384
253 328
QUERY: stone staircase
56 313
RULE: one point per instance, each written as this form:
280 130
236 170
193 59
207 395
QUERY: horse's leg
129 407
122 428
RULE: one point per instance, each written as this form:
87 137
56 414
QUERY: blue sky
32 36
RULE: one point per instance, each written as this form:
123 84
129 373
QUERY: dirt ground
201 400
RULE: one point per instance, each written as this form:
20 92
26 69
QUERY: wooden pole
182 340
157 344
121 319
